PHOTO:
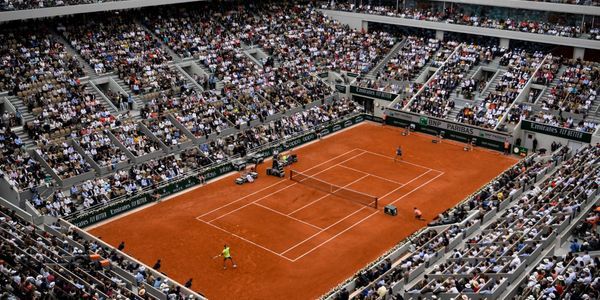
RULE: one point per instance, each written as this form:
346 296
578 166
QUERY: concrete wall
578 52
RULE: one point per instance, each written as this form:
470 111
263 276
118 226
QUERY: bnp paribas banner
557 131
455 131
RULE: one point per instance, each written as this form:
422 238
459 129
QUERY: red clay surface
294 242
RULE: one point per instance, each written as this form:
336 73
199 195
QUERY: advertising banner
372 93
565 133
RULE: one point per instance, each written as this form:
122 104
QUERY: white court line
362 220
281 189
295 219
272 185
360 209
379 177
322 197
246 240
402 161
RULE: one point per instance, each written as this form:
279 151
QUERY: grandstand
130 131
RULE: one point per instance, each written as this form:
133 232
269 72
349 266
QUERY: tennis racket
216 256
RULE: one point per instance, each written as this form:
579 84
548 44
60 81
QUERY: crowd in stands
198 112
98 146
572 276
63 158
411 59
135 139
11 5
522 228
434 99
520 67
31 58
253 138
567 102
119 45
314 43
62 109
576 89
17 166
565 122
586 235
121 183
465 15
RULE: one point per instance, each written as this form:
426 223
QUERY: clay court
292 241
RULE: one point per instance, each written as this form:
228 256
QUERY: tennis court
296 239
329 198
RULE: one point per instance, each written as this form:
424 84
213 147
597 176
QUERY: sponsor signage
341 125
450 130
565 133
373 118
324 75
110 210
354 75
372 93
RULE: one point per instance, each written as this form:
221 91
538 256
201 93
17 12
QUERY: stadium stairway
552 84
387 58
491 87
189 81
595 109
424 71
138 101
459 104
20 105
459 100
27 141
107 103
220 84
494 64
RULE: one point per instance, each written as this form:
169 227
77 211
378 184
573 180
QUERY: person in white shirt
249 178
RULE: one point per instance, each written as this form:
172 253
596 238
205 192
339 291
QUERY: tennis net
333 189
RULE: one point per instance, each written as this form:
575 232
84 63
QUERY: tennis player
398 153
418 214
227 256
